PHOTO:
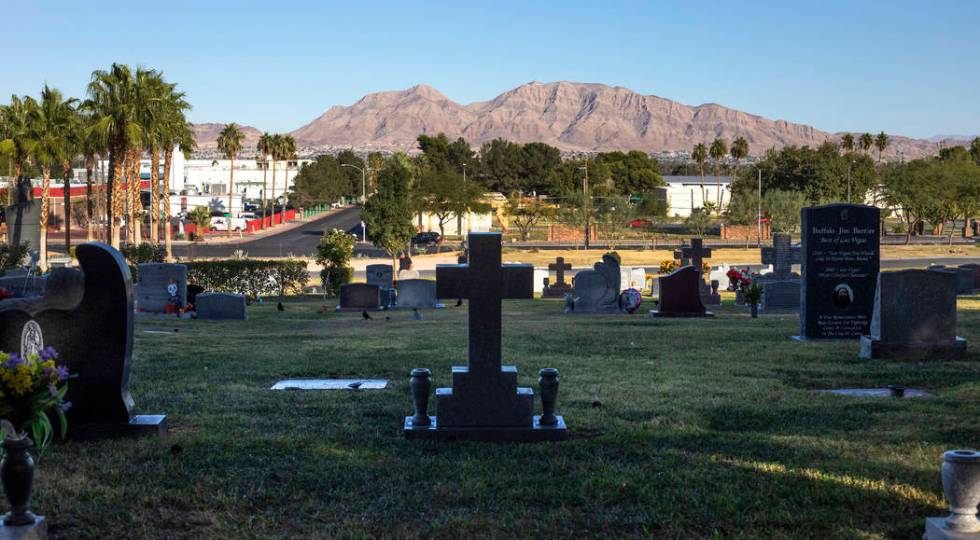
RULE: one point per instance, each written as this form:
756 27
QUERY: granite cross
485 282
559 266
782 255
696 252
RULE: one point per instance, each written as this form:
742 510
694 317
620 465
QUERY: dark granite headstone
24 218
382 275
597 290
560 287
359 297
781 287
152 281
221 307
694 255
87 316
782 256
192 291
485 402
417 293
975 268
680 295
840 270
964 278
914 317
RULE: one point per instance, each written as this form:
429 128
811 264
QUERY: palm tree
287 151
847 142
90 147
265 149
866 141
17 144
718 151
739 151
154 107
700 155
72 146
50 126
177 136
230 143
275 149
881 142
112 101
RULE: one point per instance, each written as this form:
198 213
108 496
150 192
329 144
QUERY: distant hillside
207 135
571 116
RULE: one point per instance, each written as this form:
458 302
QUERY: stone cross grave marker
485 402
695 253
782 256
560 287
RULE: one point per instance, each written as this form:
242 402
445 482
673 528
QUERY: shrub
143 253
250 277
12 256
335 251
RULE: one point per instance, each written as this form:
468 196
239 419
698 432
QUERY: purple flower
13 361
62 372
65 406
48 353
53 390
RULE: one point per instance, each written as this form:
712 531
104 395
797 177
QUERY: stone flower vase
739 297
421 383
755 311
548 384
961 485
17 475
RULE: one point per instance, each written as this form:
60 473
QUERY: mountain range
581 117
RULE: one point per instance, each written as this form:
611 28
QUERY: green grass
679 429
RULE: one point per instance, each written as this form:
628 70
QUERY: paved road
301 240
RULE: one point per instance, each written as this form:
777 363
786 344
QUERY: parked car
427 238
221 224
640 223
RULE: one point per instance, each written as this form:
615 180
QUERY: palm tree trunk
168 158
154 193
43 247
116 196
718 187
11 181
136 206
66 165
265 171
702 186
285 186
231 193
272 195
89 198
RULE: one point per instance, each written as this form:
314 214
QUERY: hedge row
250 277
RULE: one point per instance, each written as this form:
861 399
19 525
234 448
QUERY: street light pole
363 197
758 216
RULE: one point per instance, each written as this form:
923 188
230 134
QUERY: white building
684 193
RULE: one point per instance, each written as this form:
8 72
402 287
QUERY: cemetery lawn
679 429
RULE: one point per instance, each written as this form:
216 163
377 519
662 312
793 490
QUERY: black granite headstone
359 297
840 270
87 316
485 402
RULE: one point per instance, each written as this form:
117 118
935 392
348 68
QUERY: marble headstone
485 402
840 260
221 306
914 316
152 280
680 295
360 297
87 316
781 287
417 293
597 290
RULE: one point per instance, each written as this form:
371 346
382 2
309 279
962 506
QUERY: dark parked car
429 238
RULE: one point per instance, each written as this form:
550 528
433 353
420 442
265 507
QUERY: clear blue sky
906 67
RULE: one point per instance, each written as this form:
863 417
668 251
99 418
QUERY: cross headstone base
140 425
35 531
533 433
876 348
935 530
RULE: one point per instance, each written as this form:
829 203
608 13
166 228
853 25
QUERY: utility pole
849 182
586 200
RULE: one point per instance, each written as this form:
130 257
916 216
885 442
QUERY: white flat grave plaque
876 392
331 384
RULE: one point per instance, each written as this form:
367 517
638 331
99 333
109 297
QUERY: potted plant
30 388
753 295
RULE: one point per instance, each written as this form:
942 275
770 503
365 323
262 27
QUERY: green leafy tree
387 213
847 142
334 253
738 151
783 209
16 143
975 150
323 181
230 142
287 152
612 216
526 212
700 219
265 149
537 160
501 164
201 216
631 173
